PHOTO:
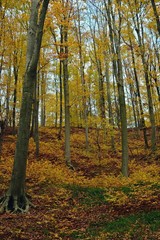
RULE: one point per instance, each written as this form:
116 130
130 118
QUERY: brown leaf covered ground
92 202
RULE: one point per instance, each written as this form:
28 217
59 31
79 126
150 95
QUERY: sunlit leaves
69 202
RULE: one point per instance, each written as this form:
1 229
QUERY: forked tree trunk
15 199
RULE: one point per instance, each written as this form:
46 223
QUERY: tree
82 73
115 38
60 51
98 50
15 198
139 28
66 88
156 15
135 77
2 128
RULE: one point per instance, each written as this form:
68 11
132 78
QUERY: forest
80 119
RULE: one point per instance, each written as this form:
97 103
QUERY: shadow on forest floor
92 202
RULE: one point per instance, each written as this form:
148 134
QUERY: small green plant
130 224
88 195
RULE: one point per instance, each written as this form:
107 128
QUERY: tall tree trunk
133 105
82 74
139 30
156 83
111 121
100 84
8 93
156 15
61 99
61 85
15 68
15 198
150 105
66 99
35 126
56 110
43 92
1 64
2 17
60 52
123 116
2 129
142 121
115 37
131 93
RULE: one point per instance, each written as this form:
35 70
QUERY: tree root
14 204
70 166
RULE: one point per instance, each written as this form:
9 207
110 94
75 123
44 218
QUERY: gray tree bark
115 37
15 199
139 30
110 112
66 100
142 121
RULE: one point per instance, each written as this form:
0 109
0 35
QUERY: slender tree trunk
1 64
82 74
100 84
43 91
139 31
133 106
2 129
66 100
123 119
151 111
8 93
2 17
15 98
61 85
156 84
60 53
61 100
114 62
115 37
156 15
111 121
142 121
56 110
36 131
132 94
35 111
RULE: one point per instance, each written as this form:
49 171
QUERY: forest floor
92 202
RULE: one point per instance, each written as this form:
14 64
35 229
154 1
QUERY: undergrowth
93 202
